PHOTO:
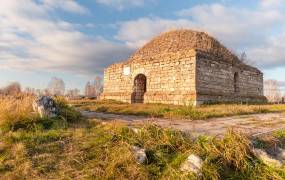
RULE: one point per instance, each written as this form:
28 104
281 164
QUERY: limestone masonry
183 67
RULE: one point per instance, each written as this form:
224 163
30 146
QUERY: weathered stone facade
183 67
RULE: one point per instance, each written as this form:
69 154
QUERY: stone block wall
170 78
183 78
216 81
117 86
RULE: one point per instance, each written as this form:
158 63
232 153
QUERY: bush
66 111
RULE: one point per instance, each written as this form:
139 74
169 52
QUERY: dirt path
256 124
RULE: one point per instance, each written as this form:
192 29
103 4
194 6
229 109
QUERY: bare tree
98 85
56 86
30 91
243 58
95 88
12 89
90 90
38 92
73 93
272 91
87 89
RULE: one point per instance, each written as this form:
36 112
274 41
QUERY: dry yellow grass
180 112
16 109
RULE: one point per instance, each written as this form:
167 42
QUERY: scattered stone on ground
266 158
192 164
140 154
45 106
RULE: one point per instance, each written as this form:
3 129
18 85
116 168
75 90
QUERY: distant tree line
93 89
12 89
56 87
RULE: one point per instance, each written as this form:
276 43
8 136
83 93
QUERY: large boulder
45 106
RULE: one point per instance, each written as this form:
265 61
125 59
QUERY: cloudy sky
75 40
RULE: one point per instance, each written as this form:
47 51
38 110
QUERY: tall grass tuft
16 111
232 157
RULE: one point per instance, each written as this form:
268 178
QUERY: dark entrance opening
139 89
236 82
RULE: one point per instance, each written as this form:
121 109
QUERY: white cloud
66 5
281 83
272 3
253 31
31 40
271 53
136 33
123 4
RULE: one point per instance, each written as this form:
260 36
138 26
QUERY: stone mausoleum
183 67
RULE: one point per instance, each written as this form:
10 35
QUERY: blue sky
76 40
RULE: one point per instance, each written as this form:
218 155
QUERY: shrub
66 111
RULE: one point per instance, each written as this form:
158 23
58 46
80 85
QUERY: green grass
176 112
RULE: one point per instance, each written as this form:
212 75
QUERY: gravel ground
255 124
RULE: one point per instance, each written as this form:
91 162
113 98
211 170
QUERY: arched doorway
236 82
139 89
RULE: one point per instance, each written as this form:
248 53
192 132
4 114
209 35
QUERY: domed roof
181 40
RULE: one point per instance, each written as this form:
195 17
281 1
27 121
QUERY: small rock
140 154
281 154
136 130
45 106
192 164
2 146
267 159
